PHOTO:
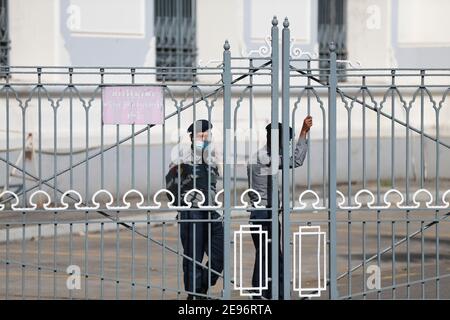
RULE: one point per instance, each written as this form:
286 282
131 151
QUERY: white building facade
115 33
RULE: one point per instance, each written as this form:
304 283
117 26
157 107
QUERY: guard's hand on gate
307 124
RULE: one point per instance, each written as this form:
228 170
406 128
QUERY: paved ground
120 263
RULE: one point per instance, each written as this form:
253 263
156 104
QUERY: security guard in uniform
259 173
199 170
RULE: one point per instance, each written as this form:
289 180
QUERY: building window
332 27
175 29
4 35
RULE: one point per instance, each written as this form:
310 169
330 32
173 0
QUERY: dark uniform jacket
188 172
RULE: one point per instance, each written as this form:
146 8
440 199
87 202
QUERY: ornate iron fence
85 212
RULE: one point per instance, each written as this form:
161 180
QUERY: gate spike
226 45
274 21
332 46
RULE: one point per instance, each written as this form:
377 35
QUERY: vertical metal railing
285 202
275 162
226 168
332 173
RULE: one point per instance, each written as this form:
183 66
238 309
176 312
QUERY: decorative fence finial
286 22
274 21
226 46
332 46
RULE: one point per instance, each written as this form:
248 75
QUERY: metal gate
85 212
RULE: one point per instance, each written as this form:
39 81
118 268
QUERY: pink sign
132 105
